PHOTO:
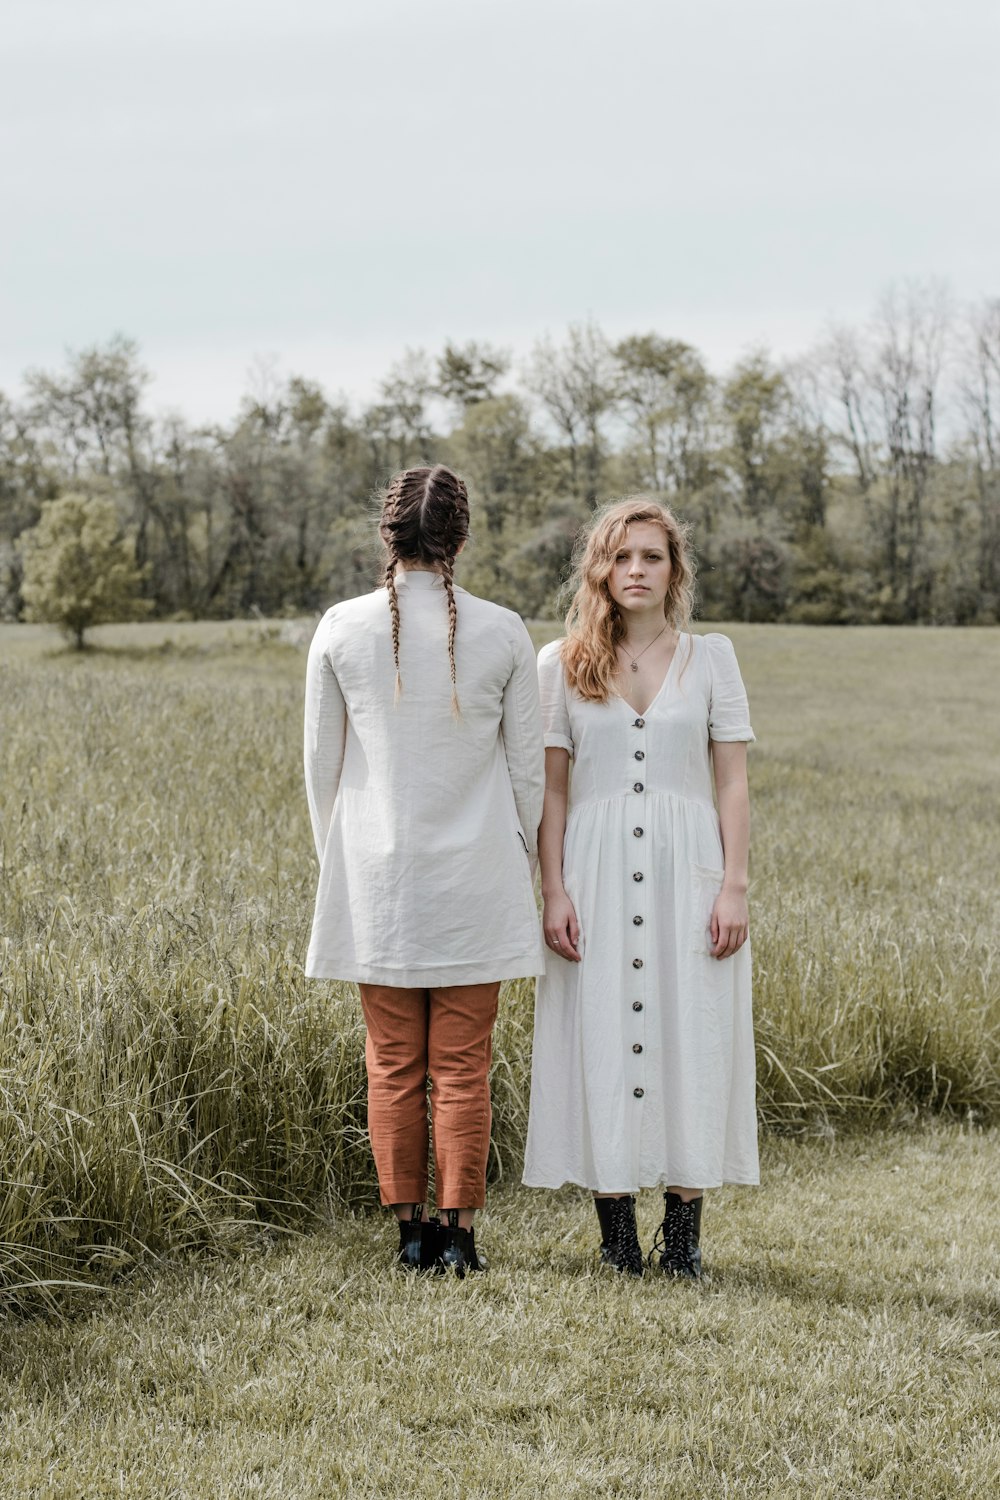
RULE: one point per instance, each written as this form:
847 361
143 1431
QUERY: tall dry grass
168 1078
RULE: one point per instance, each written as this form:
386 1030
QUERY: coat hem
525 967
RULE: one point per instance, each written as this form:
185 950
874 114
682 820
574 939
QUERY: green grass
845 1346
169 1079
169 1083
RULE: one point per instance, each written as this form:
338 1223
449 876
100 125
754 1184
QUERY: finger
737 937
723 946
571 940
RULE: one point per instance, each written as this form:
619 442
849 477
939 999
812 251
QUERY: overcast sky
331 182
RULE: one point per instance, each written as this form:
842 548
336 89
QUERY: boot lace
674 1236
625 1252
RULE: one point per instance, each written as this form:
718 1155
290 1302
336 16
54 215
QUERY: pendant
635 666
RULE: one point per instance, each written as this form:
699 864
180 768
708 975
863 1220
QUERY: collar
418 578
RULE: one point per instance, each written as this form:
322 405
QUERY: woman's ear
461 545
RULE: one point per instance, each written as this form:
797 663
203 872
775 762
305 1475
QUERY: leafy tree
92 413
576 386
817 491
980 390
398 426
664 389
888 388
493 449
79 570
469 374
755 407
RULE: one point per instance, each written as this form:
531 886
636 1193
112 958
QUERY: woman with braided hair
425 775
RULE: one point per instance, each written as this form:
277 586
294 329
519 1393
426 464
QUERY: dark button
637 1005
637 963
640 755
637 786
640 723
636 1046
638 1093
637 875
636 921
637 832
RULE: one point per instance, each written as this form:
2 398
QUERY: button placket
634 913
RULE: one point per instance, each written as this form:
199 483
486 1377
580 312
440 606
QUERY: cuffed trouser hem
402 1191
470 1195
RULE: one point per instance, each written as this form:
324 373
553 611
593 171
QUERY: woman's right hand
559 924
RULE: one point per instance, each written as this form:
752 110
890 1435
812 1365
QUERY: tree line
859 483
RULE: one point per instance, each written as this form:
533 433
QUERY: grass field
846 1346
169 1081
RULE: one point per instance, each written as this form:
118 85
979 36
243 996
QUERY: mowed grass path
846 1346
171 1082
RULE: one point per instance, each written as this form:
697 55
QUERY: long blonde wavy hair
594 625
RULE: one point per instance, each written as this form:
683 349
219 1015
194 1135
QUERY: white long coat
425 824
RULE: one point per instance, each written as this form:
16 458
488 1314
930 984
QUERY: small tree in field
79 570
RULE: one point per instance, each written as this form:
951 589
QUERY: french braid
390 584
447 573
425 519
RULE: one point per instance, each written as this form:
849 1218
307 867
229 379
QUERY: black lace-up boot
604 1207
678 1236
418 1242
457 1251
624 1251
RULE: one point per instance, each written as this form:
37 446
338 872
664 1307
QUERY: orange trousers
445 1034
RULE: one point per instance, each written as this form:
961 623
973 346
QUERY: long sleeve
325 734
521 727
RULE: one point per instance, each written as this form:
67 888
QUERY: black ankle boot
678 1236
624 1251
418 1242
603 1206
457 1250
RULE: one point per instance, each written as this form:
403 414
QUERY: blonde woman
643 1067
424 772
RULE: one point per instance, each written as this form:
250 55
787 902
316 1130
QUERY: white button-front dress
425 823
643 1063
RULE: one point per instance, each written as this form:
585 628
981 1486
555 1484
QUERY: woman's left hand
730 924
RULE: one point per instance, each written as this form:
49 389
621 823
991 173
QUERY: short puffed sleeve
552 691
728 713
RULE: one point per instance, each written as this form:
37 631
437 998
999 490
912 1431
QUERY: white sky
332 182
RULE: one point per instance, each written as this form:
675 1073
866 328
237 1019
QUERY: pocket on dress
706 885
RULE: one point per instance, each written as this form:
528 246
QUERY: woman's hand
562 930
730 924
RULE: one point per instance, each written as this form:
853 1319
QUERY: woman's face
640 571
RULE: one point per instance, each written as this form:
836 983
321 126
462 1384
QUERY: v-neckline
642 712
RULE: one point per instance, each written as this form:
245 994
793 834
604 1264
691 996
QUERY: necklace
635 659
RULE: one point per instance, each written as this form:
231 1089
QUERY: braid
390 584
425 519
447 573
